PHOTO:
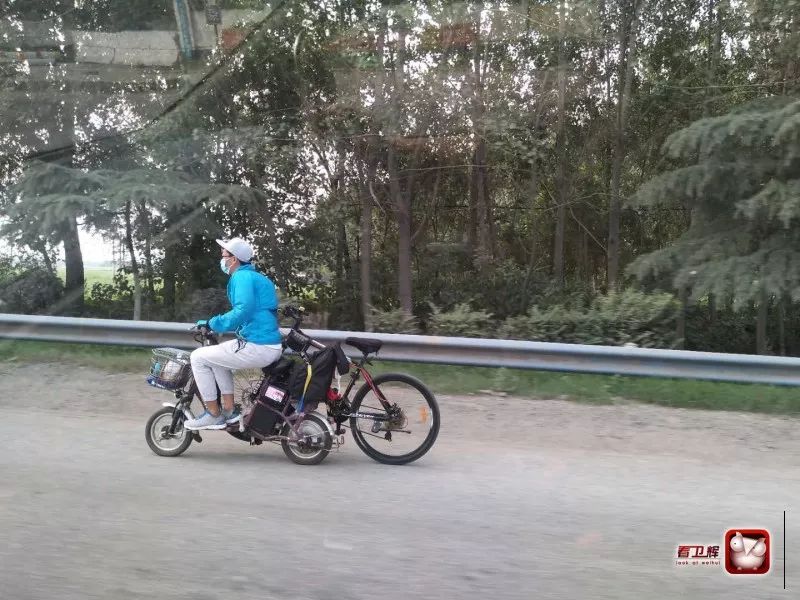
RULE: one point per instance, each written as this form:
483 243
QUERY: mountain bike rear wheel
404 432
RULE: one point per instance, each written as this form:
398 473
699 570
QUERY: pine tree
739 177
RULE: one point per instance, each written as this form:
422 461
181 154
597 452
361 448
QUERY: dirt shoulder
483 421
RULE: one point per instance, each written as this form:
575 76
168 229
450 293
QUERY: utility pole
184 22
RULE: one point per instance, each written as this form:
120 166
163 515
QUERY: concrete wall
145 48
148 48
204 34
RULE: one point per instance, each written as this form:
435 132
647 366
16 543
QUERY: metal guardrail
477 352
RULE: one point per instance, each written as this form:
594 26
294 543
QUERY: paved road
586 508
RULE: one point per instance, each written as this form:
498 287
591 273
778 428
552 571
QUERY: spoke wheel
406 431
161 442
314 444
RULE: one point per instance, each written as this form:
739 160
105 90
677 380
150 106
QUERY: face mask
223 264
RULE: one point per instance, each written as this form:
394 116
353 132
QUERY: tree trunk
561 151
683 298
712 309
366 251
41 247
479 180
714 44
404 258
137 284
604 53
761 324
73 257
484 251
628 37
586 270
148 258
343 266
472 220
782 325
170 275
525 10
402 202
368 183
790 70
533 193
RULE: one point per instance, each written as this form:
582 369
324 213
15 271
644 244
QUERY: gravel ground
518 499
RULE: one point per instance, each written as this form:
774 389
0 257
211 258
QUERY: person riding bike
254 318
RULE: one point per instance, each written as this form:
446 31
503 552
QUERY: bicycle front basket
169 368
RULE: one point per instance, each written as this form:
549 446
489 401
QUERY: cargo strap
301 404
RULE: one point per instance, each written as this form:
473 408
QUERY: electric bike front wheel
158 437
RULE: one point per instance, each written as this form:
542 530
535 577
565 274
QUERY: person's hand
202 323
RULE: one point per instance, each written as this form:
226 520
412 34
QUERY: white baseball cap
238 247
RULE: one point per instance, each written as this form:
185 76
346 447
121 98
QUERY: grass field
92 275
596 389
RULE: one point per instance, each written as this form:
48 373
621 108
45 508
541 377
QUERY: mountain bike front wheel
406 430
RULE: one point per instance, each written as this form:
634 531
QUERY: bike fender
327 423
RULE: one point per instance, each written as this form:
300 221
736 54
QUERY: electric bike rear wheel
314 444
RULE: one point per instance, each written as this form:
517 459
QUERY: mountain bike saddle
366 345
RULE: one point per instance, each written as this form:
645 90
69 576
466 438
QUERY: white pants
215 364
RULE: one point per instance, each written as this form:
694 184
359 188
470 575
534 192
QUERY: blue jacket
254 312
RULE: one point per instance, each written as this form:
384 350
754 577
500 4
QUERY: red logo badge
747 551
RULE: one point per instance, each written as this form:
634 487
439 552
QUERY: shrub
111 300
647 320
462 321
30 291
393 321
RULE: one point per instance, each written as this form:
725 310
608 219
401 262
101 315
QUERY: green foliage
461 321
29 291
292 137
627 317
729 331
742 186
394 321
204 304
111 300
508 289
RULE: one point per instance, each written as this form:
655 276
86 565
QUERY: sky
95 249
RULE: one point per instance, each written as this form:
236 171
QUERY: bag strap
301 404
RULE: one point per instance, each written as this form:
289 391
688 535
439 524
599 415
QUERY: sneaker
232 417
206 421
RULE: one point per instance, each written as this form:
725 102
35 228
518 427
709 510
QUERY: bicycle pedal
197 437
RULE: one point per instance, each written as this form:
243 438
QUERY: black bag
323 365
272 399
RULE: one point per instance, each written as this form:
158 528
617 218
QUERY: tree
48 200
740 177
